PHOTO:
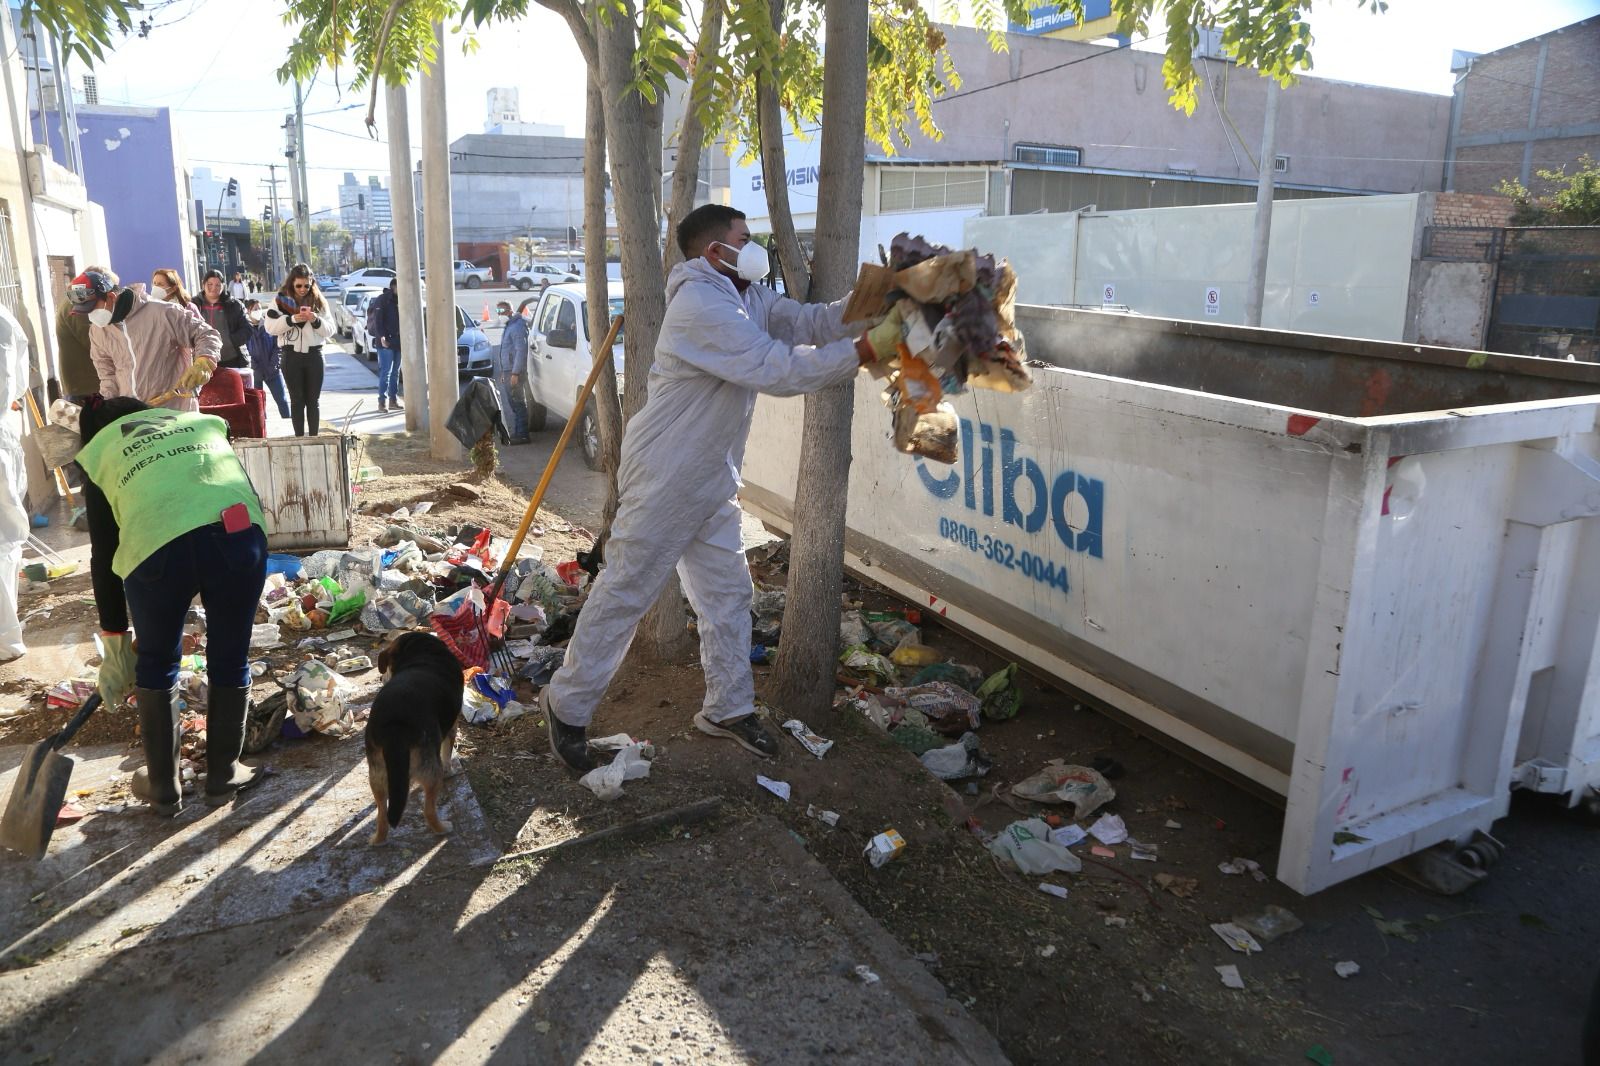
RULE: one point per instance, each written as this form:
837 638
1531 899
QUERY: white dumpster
1338 567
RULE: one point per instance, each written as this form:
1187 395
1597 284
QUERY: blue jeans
274 385
227 571
388 374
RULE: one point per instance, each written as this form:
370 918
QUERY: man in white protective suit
723 340
13 476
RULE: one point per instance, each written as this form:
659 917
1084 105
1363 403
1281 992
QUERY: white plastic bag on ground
1027 845
1085 789
630 764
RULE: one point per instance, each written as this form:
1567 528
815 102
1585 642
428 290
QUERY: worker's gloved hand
116 667
196 374
883 340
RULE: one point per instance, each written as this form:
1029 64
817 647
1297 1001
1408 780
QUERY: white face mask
100 316
751 262
162 292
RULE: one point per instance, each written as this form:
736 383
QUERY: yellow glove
196 374
115 680
884 338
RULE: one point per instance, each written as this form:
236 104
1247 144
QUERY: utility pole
443 386
403 205
300 163
1256 288
276 271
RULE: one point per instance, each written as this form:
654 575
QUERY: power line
1043 70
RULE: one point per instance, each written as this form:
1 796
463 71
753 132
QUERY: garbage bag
476 413
1026 844
1085 789
958 760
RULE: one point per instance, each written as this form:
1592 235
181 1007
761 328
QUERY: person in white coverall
13 476
723 340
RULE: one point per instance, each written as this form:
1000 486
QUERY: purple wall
130 170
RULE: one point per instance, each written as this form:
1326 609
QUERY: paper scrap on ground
1055 890
1237 939
777 788
1347 968
630 764
1068 835
1230 976
1239 866
1109 829
866 976
1142 852
810 741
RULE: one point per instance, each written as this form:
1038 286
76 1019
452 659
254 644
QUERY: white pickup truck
469 275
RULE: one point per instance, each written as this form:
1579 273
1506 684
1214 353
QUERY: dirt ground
1119 971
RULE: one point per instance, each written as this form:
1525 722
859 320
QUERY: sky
214 62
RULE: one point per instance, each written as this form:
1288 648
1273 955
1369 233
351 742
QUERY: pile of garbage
957 330
930 706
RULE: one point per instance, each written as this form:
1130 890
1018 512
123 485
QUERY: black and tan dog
411 732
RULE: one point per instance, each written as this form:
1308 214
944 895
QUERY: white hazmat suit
13 476
679 479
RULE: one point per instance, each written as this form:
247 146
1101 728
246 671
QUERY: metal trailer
1361 574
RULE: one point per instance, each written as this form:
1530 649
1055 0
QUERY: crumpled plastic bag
1026 845
317 697
1085 789
949 708
859 658
958 760
632 762
852 630
1001 697
394 610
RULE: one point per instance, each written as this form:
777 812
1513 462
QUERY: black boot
225 774
570 743
156 782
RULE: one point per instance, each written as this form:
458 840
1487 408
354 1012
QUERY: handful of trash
957 330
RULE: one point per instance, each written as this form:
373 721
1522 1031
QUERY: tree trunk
802 680
407 260
608 407
692 134
438 255
769 117
636 185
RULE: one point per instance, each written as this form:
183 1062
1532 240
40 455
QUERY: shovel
41 787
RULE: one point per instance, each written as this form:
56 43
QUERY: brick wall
1471 209
1497 98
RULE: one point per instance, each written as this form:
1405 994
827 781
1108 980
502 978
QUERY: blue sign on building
1045 17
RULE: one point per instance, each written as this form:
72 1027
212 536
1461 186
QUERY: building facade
1059 125
1532 106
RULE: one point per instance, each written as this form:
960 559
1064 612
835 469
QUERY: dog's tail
397 762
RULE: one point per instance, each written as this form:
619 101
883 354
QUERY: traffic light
572 234
266 214
233 187
361 201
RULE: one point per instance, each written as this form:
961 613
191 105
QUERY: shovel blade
36 798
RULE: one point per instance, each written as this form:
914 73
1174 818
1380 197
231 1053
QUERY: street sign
1213 300
1108 294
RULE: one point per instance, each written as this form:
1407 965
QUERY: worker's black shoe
225 774
570 743
746 729
157 782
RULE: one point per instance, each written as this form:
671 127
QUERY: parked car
378 277
542 275
343 306
360 340
474 350
471 275
559 361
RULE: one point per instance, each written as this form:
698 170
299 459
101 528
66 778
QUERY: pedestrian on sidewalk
237 288
383 325
225 315
296 319
13 514
143 347
79 379
723 341
166 285
185 522
510 363
265 361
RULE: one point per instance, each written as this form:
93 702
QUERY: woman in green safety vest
186 522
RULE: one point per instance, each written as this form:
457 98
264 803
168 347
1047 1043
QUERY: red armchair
245 410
